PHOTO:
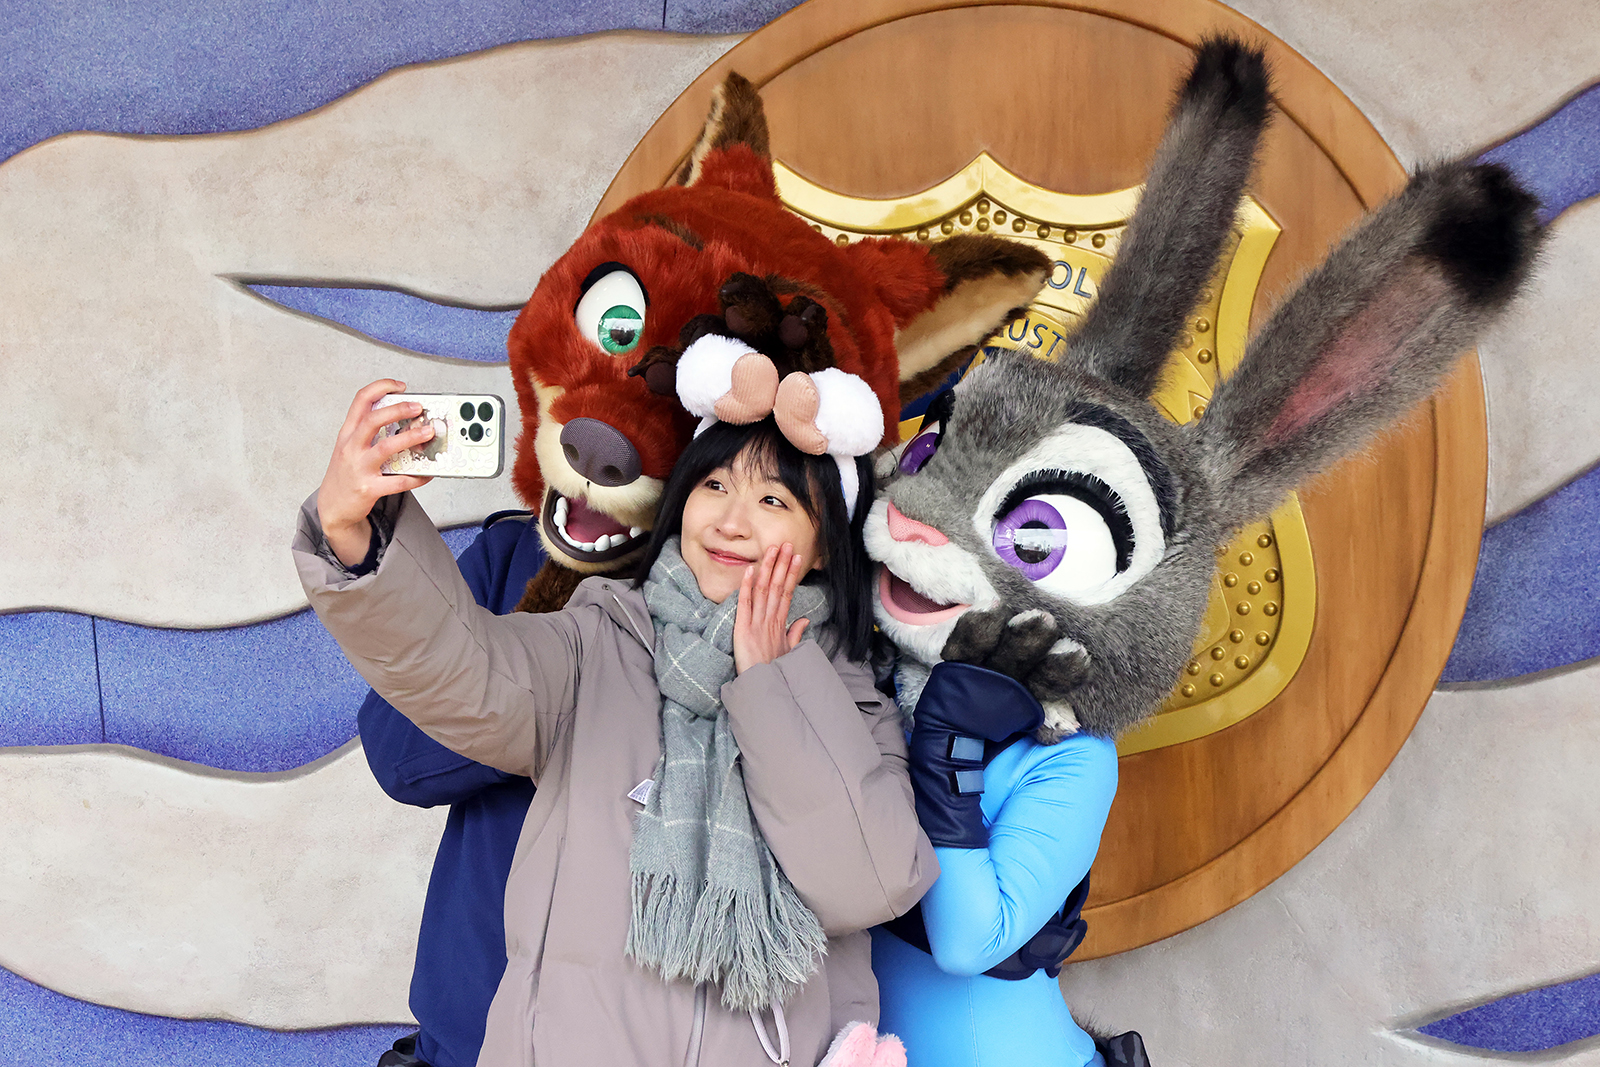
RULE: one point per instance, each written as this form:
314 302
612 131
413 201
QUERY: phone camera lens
466 411
485 411
475 432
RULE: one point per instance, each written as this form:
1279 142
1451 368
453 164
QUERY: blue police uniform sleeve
989 901
409 765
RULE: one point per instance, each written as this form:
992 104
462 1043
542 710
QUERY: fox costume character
823 337
1048 541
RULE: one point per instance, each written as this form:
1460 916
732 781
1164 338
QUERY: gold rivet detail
814 226
1018 225
922 234
966 218
1217 679
1188 689
1230 580
947 227
1269 609
1206 295
983 225
1186 340
1199 410
999 217
1265 540
1204 355
1236 636
1099 240
1071 237
1253 588
1243 608
983 207
1217 653
1271 575
1044 231
1202 325
1263 638
842 239
1245 559
1194 666
1242 662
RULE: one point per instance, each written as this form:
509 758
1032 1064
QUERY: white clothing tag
641 792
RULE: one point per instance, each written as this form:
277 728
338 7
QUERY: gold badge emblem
1263 601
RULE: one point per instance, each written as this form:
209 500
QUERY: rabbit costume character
1048 542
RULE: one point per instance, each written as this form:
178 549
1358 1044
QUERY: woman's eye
774 501
1059 542
920 450
611 313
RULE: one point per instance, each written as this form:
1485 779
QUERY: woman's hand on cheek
759 631
354 481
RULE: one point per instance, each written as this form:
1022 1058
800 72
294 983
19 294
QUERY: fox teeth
600 544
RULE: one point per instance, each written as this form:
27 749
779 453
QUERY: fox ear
1369 333
987 280
737 121
1185 213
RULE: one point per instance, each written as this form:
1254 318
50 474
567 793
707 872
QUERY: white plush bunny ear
833 413
723 378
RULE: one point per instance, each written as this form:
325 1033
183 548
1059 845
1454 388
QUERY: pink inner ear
1362 354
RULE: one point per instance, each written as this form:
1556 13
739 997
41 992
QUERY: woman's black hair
846 571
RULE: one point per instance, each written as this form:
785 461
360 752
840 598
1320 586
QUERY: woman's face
730 520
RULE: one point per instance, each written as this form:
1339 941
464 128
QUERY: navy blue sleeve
409 765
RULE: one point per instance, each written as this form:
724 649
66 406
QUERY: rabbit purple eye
1067 532
1031 537
919 451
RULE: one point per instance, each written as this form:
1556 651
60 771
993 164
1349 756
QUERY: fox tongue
586 525
908 599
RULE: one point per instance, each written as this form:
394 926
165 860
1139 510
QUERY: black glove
1124 1050
965 716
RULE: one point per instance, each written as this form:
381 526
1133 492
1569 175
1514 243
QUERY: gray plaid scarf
710 903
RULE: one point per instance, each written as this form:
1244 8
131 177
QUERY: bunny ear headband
829 412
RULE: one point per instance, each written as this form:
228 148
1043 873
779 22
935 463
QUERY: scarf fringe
757 951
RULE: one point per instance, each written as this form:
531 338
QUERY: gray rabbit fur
1101 638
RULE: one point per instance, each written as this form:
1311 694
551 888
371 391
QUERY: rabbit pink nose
904 529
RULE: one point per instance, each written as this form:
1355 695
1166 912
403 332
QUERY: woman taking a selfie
723 806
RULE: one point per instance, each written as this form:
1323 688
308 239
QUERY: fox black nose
599 452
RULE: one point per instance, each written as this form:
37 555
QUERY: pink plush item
859 1045
752 391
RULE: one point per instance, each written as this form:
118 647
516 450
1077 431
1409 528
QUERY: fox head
597 443
1049 523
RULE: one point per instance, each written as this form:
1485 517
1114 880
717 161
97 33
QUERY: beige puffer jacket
570 700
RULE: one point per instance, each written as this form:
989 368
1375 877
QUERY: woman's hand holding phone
354 481
765 593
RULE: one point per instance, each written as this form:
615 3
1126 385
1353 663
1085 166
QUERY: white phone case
468 441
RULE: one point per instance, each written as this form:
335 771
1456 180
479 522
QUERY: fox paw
795 335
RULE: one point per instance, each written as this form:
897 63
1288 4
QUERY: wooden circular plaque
887 98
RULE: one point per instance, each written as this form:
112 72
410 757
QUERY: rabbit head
1047 521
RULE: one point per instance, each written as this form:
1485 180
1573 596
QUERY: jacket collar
622 602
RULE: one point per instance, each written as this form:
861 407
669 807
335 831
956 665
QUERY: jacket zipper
649 645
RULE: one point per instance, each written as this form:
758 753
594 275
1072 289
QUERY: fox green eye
620 329
611 312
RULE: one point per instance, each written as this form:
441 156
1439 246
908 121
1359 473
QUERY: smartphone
468 436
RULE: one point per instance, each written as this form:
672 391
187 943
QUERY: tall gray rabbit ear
1369 333
1188 208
